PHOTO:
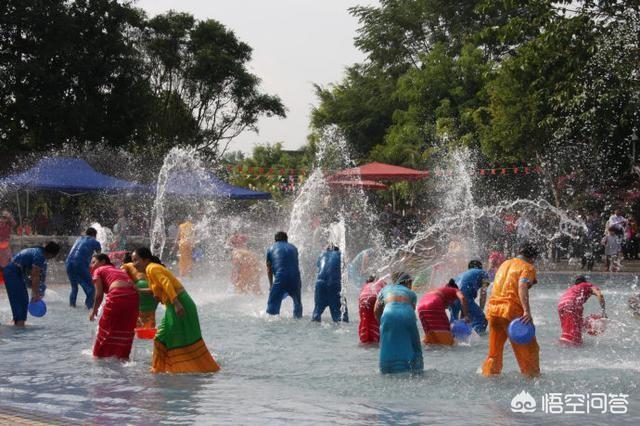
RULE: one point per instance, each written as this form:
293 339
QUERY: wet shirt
504 301
30 257
83 249
576 295
164 285
329 268
448 295
370 292
283 258
470 282
109 274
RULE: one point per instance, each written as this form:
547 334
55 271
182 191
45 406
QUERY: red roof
380 171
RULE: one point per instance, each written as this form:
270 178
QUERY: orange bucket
145 333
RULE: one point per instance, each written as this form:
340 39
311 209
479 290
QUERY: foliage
88 71
199 70
549 82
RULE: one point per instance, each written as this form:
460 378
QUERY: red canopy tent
379 171
364 184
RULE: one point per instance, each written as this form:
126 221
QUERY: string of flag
276 172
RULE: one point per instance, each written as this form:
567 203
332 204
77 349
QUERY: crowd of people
129 286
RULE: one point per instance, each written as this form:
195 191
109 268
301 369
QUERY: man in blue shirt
30 262
78 266
283 272
329 286
470 282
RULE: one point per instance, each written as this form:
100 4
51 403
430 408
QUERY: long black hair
102 257
145 253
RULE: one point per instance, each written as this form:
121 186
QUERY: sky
296 44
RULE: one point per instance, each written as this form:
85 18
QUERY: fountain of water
321 214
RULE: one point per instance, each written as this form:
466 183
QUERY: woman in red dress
120 313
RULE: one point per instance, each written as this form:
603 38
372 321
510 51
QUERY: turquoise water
285 370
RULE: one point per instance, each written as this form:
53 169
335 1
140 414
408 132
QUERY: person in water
184 244
432 311
359 267
245 269
7 223
369 327
283 272
30 262
77 265
510 300
570 309
400 349
178 346
120 312
495 260
148 304
329 286
472 281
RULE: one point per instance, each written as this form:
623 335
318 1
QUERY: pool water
284 370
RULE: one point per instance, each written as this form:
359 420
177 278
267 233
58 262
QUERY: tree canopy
546 82
80 71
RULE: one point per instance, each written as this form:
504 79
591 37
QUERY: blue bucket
520 332
460 329
37 309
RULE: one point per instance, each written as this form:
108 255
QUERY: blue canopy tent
208 185
67 175
71 176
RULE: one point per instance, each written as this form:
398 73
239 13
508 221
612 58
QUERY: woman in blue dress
400 348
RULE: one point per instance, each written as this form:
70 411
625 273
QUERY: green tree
198 69
69 71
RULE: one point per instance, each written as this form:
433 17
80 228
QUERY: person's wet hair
281 236
91 232
580 279
52 248
452 283
145 253
475 264
102 257
528 250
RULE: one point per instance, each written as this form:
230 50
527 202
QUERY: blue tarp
70 175
208 185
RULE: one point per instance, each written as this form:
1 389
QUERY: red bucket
145 333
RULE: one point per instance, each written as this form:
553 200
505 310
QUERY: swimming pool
284 370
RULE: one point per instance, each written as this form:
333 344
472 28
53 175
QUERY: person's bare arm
35 284
465 305
378 309
97 298
600 297
523 293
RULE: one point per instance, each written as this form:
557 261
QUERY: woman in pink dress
120 313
